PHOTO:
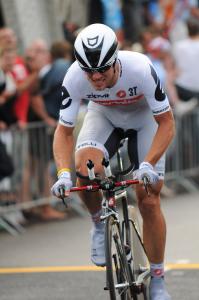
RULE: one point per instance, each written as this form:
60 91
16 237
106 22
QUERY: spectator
161 56
74 15
7 88
6 163
23 81
113 17
51 66
170 16
133 19
6 171
95 12
186 58
159 53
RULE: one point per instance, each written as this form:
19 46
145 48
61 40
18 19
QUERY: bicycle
127 267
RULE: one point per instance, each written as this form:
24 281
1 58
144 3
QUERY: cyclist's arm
162 138
63 146
159 104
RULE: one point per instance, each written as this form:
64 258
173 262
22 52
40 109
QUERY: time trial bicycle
127 267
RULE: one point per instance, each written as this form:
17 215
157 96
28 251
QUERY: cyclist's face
100 81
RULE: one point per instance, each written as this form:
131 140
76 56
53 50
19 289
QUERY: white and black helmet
96 47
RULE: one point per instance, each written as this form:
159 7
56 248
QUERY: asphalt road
51 260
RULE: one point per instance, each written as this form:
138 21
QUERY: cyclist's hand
64 182
147 170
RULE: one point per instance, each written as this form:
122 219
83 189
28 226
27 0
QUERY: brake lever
146 185
62 196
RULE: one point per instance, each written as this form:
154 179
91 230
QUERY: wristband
63 170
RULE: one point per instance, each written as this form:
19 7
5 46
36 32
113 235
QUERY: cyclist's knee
149 205
82 157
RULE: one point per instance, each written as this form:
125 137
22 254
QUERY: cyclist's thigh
145 138
140 143
98 138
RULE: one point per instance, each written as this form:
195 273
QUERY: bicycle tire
139 258
117 271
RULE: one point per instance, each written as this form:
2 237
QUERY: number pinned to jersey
66 100
159 92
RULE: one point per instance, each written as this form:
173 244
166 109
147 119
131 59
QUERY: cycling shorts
99 131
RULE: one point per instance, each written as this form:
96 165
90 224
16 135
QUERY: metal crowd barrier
35 171
31 151
182 164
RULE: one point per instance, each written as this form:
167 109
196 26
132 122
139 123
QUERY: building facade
31 19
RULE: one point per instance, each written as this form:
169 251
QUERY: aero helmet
96 47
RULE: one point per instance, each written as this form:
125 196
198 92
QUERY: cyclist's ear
114 64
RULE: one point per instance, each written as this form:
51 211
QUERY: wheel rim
117 268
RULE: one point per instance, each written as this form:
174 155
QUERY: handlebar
101 186
106 184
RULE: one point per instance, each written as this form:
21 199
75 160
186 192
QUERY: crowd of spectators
166 31
30 93
153 27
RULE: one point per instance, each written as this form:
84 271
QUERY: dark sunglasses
99 70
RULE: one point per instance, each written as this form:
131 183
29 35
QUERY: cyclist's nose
96 75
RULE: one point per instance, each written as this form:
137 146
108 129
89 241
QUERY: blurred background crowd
31 74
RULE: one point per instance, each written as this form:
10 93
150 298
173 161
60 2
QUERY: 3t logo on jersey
132 91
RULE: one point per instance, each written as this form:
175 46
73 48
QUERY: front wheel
117 271
140 264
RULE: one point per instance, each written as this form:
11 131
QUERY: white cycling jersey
138 89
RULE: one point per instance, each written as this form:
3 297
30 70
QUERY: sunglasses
94 70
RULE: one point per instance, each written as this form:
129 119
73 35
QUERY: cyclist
126 100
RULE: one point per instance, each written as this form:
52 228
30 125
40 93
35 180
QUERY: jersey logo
121 94
96 96
132 91
92 42
119 102
66 100
159 92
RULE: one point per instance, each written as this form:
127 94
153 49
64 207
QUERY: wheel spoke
117 266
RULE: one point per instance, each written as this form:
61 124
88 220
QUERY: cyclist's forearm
63 147
162 139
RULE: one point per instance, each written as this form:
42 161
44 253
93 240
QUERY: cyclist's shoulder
73 75
73 70
132 56
134 62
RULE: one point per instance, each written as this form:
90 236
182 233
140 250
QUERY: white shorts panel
92 144
97 128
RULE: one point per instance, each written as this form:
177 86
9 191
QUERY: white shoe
97 245
158 290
